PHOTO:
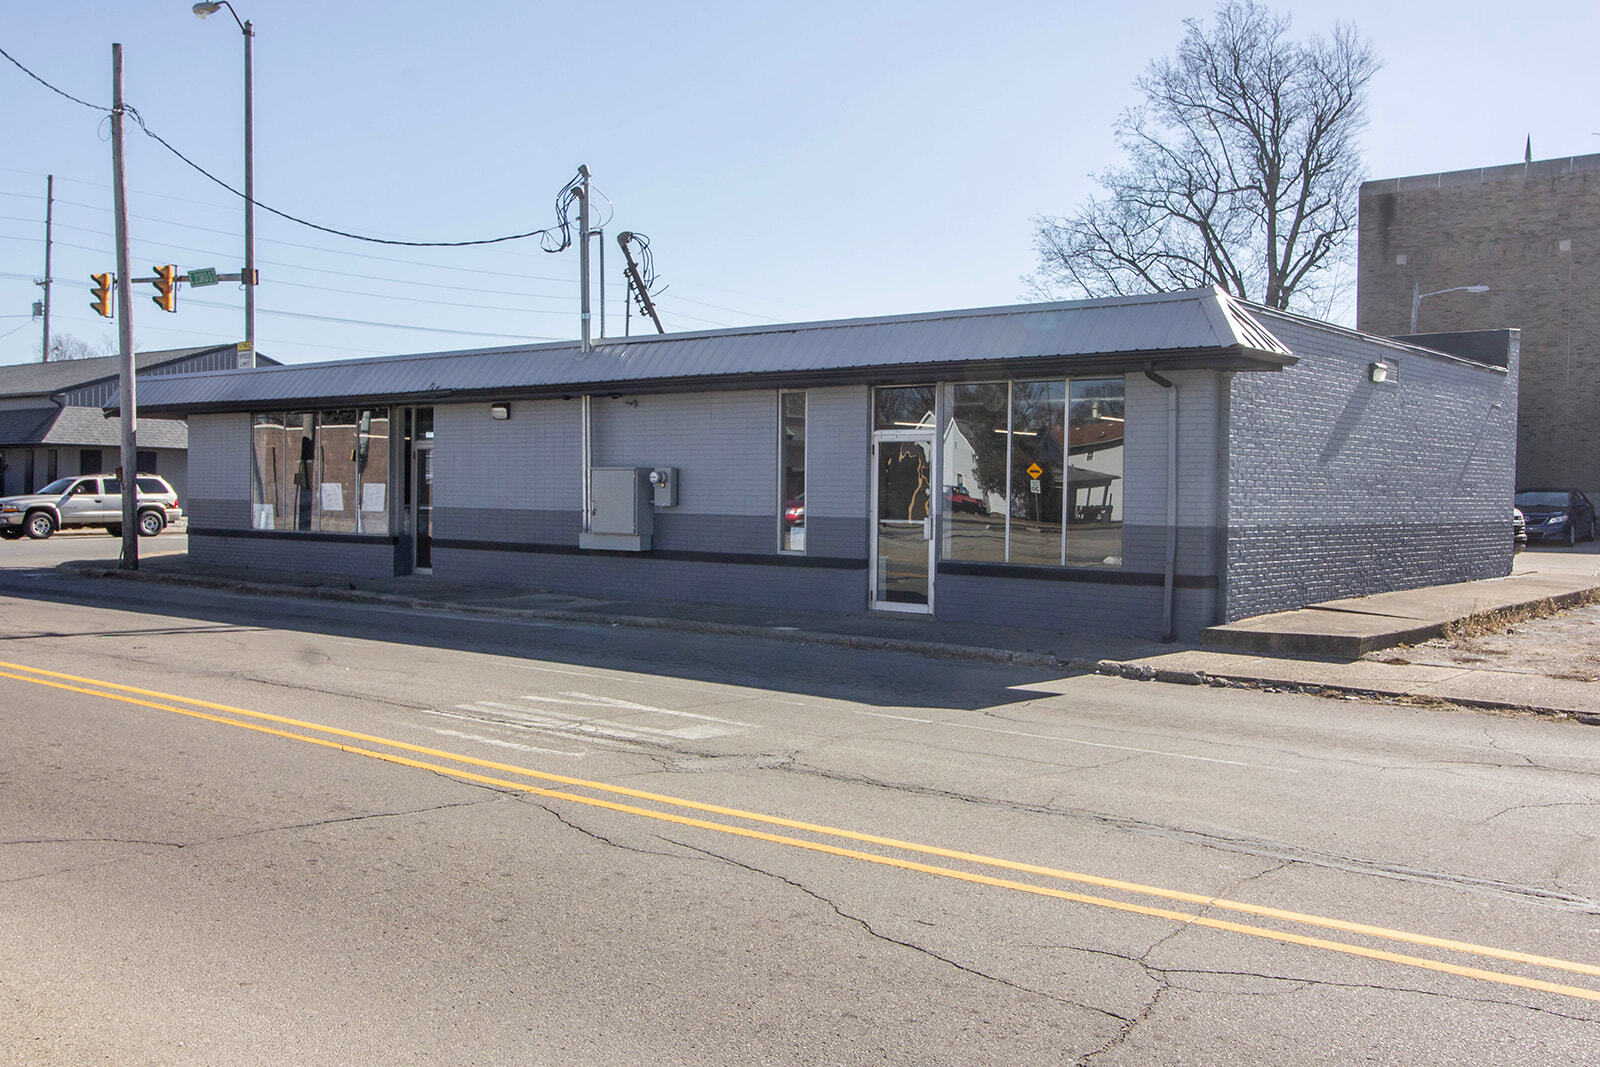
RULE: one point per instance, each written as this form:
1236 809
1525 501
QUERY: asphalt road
239 830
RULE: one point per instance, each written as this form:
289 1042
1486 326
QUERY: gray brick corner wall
1338 486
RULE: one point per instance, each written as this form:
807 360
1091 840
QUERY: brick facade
1531 232
1339 486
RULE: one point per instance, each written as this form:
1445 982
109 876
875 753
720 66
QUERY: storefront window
974 473
1032 473
1038 425
321 471
1095 434
792 450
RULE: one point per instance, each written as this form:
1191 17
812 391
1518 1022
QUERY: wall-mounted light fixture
1378 372
499 411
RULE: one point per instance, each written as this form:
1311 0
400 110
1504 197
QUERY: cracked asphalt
471 840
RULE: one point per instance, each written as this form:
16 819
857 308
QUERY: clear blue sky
808 161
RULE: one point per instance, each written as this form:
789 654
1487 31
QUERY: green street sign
199 276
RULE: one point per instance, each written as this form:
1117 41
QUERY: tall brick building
1531 233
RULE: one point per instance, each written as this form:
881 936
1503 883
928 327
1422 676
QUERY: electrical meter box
620 518
664 487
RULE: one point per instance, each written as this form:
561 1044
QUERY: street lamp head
202 10
1477 288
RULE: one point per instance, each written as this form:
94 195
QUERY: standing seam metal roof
1198 322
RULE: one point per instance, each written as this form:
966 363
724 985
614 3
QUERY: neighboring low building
1530 232
52 425
1141 465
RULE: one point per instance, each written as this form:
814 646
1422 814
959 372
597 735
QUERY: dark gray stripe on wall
1093 575
296 535
747 559
673 530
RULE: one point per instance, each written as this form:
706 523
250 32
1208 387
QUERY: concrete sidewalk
1314 650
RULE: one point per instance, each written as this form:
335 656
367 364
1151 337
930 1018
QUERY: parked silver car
88 500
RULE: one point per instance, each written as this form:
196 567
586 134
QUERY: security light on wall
1378 372
499 411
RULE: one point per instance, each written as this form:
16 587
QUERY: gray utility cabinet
622 519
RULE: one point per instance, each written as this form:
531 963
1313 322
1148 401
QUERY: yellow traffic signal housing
101 303
166 283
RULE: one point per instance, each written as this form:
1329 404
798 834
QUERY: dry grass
1463 632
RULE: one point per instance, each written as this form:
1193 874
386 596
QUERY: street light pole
1418 296
246 358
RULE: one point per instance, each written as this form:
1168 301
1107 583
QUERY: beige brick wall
1532 234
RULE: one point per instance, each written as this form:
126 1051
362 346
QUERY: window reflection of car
794 511
1562 515
959 500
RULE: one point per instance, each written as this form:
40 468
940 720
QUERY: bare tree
1242 169
66 346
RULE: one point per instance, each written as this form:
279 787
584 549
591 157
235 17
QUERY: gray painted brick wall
292 554
219 471
838 479
532 461
1339 486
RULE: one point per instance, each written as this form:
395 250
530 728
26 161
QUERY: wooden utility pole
128 471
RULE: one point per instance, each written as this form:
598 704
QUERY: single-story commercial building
52 425
1145 465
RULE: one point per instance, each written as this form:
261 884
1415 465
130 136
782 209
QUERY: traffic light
166 283
102 294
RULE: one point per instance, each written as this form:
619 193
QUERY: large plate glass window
1033 472
792 476
1096 421
976 483
1038 431
324 472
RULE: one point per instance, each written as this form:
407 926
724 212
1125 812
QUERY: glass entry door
902 551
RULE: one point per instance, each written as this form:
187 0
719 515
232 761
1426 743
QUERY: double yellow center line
456 766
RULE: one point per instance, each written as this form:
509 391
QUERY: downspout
588 466
1169 631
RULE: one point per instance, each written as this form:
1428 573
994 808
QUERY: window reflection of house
1095 449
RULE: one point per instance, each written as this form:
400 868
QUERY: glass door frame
421 453
929 439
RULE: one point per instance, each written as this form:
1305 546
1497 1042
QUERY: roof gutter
1233 358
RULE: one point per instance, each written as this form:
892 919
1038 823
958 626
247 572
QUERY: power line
385 325
563 226
52 88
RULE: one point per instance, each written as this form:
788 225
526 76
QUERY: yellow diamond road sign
1035 471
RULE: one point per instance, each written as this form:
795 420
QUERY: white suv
89 500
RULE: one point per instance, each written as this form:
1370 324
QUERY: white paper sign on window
332 496
373 497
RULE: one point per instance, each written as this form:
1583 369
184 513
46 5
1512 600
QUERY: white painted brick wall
221 445
532 461
725 446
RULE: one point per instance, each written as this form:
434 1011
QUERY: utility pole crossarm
636 281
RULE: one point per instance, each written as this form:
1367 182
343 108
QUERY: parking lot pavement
90 546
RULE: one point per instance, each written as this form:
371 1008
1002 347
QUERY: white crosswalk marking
626 720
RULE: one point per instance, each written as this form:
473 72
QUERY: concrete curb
1354 646
1131 670
1145 673
938 649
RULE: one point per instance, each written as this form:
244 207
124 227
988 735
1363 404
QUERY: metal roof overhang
1233 358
